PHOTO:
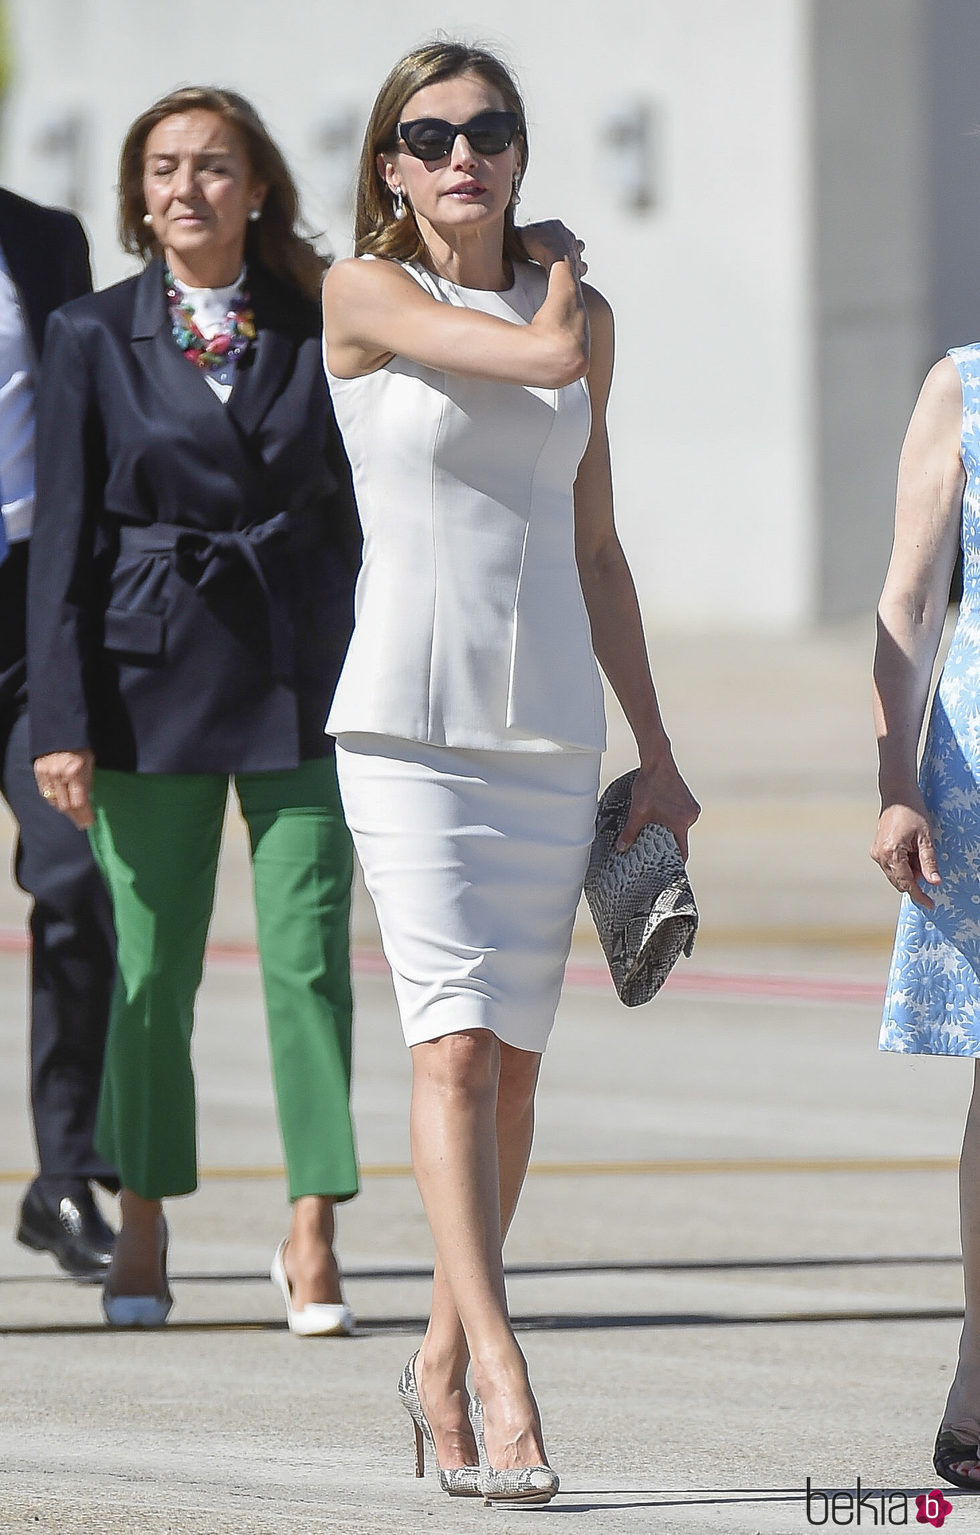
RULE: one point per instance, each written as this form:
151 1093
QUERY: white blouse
470 626
210 307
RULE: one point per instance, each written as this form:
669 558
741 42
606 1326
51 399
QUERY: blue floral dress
932 1006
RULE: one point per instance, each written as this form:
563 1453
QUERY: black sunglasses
432 138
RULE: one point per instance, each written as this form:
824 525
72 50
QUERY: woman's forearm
916 592
909 632
564 319
372 310
659 794
620 648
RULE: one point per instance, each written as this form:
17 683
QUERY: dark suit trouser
73 942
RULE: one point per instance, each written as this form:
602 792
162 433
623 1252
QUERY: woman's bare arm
910 623
373 311
659 793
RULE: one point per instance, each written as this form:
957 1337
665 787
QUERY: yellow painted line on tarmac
712 1166
716 1165
746 1165
830 935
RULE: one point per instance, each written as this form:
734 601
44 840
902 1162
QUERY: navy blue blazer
47 256
192 572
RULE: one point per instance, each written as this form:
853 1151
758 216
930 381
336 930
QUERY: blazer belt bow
203 556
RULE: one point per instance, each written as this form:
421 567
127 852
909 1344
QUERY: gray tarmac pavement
734 1265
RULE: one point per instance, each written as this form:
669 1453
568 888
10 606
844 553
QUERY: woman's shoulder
366 272
530 276
112 306
118 295
939 409
535 279
280 303
967 356
959 368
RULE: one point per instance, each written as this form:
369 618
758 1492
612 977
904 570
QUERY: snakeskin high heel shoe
459 1481
527 1485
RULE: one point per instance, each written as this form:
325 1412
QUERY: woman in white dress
469 369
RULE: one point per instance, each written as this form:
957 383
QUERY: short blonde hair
376 230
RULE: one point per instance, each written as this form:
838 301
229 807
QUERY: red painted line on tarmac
721 983
591 976
595 976
786 988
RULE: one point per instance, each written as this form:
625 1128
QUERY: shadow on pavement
672 1499
545 1322
543 1270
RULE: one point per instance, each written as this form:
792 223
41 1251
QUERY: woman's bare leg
444 1356
308 1258
963 1404
136 1267
472 1124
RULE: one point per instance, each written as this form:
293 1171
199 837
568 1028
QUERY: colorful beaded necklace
210 351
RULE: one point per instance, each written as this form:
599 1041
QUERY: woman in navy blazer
188 620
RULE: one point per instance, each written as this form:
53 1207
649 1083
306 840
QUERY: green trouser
156 838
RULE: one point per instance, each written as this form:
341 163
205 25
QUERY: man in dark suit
44 263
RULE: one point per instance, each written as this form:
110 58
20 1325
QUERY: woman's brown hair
275 239
376 230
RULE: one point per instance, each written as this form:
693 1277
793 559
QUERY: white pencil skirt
475 862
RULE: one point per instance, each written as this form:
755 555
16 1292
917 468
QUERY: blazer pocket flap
139 633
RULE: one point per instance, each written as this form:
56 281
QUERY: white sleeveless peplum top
470 625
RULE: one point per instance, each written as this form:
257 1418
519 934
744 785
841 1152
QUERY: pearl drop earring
400 211
147 219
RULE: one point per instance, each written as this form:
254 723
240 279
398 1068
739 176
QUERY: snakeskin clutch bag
641 900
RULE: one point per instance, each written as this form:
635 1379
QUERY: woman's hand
904 849
660 794
551 241
65 781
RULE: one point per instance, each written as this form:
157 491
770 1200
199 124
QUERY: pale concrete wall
773 302
711 411
871 278
952 53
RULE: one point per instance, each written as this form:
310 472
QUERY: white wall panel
713 410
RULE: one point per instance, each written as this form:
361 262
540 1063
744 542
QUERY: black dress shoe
63 1219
